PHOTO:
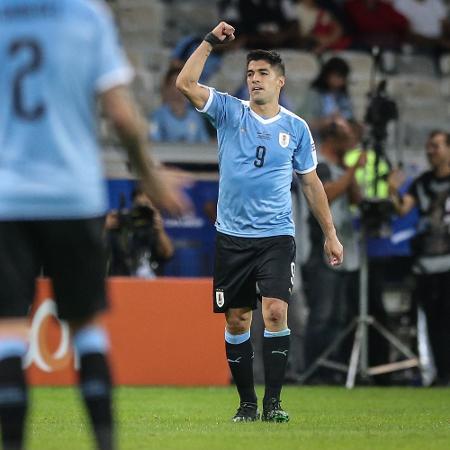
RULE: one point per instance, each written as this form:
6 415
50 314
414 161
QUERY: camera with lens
380 111
132 241
376 216
376 213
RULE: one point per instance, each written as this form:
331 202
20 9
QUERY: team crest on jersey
283 139
220 299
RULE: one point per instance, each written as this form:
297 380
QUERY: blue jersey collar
261 119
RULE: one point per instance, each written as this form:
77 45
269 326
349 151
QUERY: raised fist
224 32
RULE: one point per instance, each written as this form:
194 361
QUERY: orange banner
162 332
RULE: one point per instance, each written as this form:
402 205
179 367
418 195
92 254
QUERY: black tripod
375 213
359 360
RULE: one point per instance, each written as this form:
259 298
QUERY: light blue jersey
257 158
55 56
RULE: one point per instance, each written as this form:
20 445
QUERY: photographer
430 192
138 244
332 293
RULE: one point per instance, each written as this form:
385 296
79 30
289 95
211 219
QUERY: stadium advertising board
151 342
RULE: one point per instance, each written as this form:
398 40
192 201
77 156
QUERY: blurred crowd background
336 54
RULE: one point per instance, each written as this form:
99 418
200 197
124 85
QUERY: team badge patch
220 299
283 139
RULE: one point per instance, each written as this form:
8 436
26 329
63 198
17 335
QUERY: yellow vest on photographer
365 175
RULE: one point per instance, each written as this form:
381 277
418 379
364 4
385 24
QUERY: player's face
438 152
264 82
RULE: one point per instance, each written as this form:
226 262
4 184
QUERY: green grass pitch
199 418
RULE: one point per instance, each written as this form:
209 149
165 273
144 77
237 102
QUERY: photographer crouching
137 242
430 192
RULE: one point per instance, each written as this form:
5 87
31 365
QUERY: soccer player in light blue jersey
57 57
260 146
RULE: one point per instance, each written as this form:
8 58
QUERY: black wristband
212 39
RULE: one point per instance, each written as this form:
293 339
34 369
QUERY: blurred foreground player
56 57
260 144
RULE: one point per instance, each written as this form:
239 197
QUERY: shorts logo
283 139
40 351
220 300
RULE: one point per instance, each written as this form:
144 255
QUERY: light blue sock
12 347
91 339
237 338
272 334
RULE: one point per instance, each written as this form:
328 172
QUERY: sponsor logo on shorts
41 352
220 299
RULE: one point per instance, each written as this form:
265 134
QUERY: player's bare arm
187 81
163 188
318 204
403 205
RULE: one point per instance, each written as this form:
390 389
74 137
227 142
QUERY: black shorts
72 253
243 264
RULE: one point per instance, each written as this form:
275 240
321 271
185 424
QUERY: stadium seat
411 90
445 88
295 90
419 65
202 15
300 65
232 73
444 65
141 17
224 81
359 86
141 21
359 106
413 137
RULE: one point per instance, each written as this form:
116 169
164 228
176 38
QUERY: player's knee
238 323
273 320
275 316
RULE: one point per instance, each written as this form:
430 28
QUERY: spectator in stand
319 29
376 23
337 10
175 120
429 24
328 99
268 24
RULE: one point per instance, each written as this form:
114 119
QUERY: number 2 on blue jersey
32 65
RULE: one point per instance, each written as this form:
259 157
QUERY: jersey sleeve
219 107
305 157
112 68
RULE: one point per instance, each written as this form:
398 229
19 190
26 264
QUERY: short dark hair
333 65
437 132
273 58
